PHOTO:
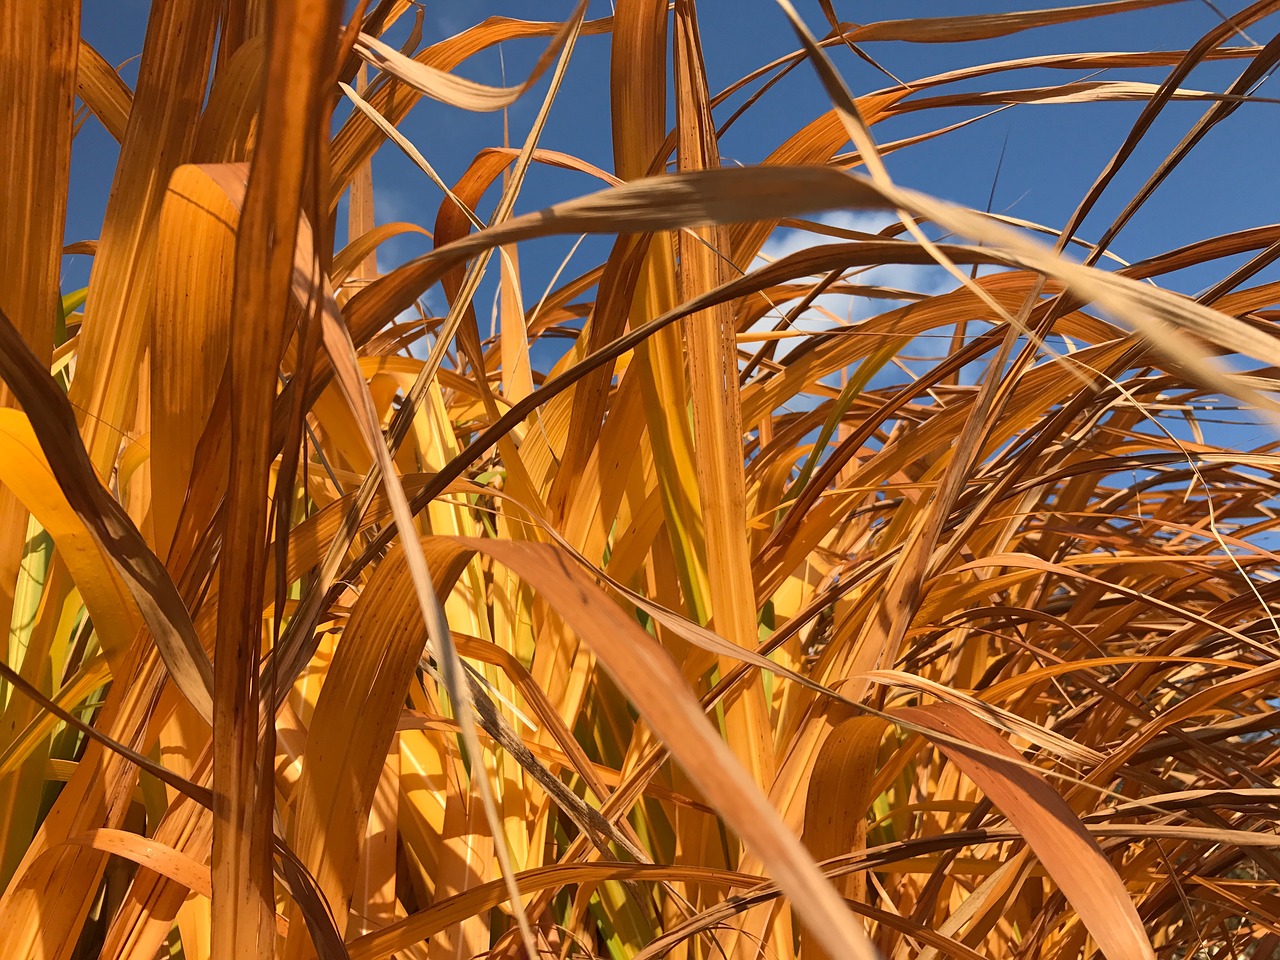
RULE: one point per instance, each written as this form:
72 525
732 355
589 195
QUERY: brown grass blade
102 90
196 250
300 36
450 88
839 796
737 195
990 25
359 137
164 860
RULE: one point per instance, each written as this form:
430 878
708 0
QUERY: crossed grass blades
647 624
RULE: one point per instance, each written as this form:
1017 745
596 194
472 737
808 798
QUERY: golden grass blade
171 863
374 902
300 36
343 761
40 632
884 632
448 87
28 477
178 783
241 22
92 676
55 884
735 195
461 294
106 522
359 137
353 259
156 899
696 635
342 353
102 90
172 80
340 347
196 249
713 381
648 282
229 123
461 319
1085 91
360 205
835 821
669 942
428 923
517 367
36 121
36 124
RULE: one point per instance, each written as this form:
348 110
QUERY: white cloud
926 279
917 278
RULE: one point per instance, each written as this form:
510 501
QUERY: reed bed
670 613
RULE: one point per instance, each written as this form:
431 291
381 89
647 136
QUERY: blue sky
1051 152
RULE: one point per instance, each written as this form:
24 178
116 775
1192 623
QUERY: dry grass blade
449 87
161 131
293 111
835 820
166 861
341 763
987 26
36 121
183 786
1050 828
106 521
102 90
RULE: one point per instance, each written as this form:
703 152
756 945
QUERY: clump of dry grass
378 637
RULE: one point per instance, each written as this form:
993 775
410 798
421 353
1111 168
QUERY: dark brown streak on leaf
300 39
146 577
